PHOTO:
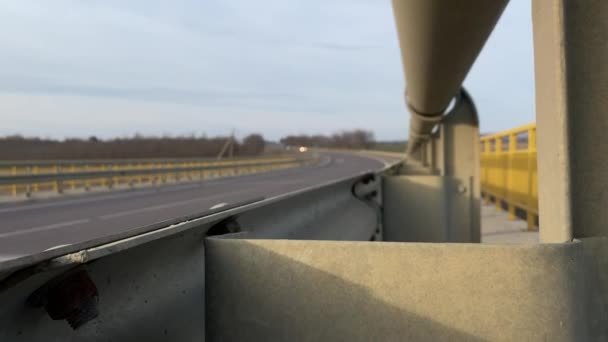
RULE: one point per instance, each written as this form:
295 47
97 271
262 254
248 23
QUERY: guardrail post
110 180
511 174
446 207
14 186
87 182
72 182
140 179
500 172
532 202
36 187
28 186
58 184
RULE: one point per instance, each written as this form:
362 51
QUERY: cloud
324 65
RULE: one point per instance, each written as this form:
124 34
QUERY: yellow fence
242 166
508 171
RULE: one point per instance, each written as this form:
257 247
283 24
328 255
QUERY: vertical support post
87 182
511 174
485 150
424 155
140 178
459 133
72 182
57 184
14 186
570 52
530 216
28 186
36 185
500 171
110 180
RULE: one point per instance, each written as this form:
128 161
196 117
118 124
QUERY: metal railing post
28 186
500 171
87 183
511 175
57 184
530 216
14 186
36 186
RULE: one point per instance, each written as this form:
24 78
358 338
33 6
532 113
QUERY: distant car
303 149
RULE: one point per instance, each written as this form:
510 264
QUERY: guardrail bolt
72 296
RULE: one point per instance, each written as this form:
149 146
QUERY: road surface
30 227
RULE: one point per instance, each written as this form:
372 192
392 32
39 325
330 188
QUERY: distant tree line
21 148
355 139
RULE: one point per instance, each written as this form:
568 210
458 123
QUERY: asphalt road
30 227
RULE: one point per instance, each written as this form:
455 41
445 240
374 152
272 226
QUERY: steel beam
439 41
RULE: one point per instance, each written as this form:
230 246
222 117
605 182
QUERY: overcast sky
117 67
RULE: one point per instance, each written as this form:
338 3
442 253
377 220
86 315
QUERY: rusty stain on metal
72 296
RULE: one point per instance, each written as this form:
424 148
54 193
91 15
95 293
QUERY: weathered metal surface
570 51
173 282
366 291
425 209
439 41
151 292
151 281
441 205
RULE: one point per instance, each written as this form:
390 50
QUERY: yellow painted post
56 185
72 182
14 186
87 182
35 171
483 171
140 179
28 186
530 216
104 181
115 181
501 186
511 174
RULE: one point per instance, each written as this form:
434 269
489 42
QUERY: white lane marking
162 189
325 161
43 228
217 206
4 257
55 247
384 162
142 210
165 206
340 161
80 200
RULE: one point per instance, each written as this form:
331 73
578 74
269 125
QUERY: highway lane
31 227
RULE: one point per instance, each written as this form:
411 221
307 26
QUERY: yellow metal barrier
247 164
508 171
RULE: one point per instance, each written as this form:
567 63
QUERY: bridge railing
27 177
509 171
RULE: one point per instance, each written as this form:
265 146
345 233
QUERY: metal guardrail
88 174
509 171
7 164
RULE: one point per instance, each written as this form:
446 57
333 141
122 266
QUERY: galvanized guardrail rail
27 177
343 261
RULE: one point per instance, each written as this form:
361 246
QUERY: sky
73 68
